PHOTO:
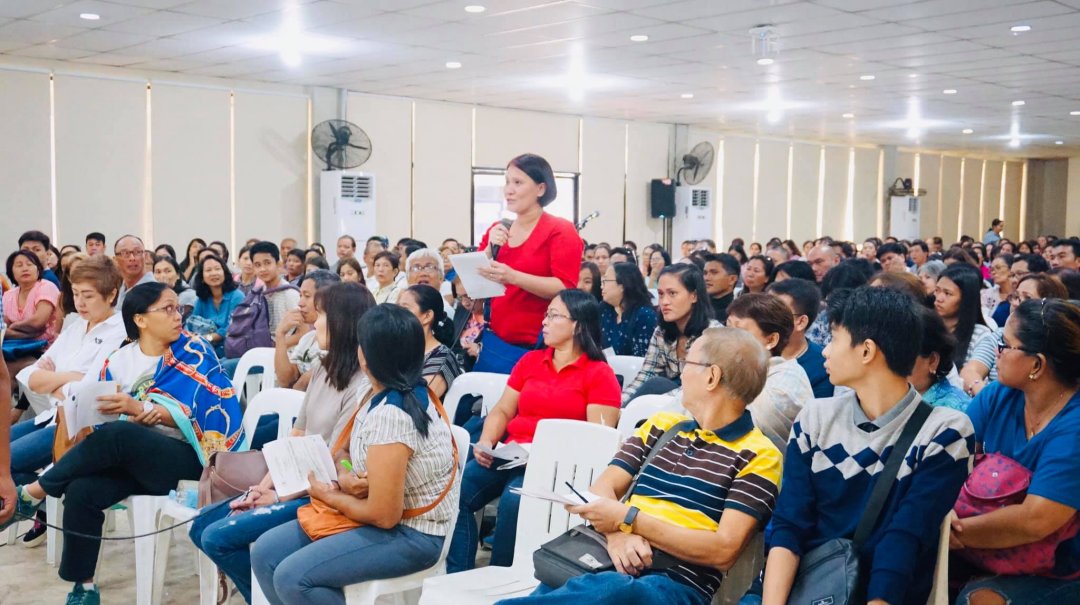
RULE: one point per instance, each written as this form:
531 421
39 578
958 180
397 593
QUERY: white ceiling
518 54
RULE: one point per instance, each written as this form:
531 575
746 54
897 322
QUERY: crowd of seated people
804 361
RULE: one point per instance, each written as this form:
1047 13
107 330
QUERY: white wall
162 158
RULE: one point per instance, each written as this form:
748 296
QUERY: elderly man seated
700 500
425 267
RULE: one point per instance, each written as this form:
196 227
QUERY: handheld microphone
494 248
585 221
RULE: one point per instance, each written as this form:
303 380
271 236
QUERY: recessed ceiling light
949 91
1074 113
913 75
1019 29
1059 142
1014 143
687 95
967 131
453 65
1017 103
639 38
475 8
867 77
848 115
765 61
90 16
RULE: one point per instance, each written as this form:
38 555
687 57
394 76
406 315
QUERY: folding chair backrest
488 385
562 450
284 403
641 408
626 366
261 357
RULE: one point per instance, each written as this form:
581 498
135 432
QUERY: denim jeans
293 569
227 540
31 450
1025 590
613 588
479 486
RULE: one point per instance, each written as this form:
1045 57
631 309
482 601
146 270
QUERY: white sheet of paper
515 454
81 409
468 266
290 460
549 496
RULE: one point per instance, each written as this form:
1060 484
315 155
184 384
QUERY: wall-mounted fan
340 144
696 164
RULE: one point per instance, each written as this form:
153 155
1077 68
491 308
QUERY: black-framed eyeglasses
1003 346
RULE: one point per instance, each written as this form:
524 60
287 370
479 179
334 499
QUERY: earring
1031 376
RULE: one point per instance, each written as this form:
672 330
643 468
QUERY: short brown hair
1048 286
770 314
102 273
744 363
904 283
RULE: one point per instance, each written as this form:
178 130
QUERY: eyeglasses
423 269
1002 346
685 362
167 309
129 253
551 315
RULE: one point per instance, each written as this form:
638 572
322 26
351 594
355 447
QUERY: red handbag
998 481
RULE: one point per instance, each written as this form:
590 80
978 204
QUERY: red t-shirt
546 393
553 249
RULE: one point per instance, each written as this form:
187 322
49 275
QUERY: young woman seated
217 297
175 407
441 366
398 494
570 379
226 530
29 306
685 312
627 317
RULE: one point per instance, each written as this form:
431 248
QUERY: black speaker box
662 198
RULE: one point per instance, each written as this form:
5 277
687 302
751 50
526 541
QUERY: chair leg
257 596
208 580
161 559
12 534
144 513
54 508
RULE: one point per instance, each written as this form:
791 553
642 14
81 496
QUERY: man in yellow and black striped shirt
707 491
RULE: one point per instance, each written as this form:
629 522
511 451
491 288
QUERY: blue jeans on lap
479 486
227 540
613 588
31 450
291 568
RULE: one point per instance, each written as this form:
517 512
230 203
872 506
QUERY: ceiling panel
518 52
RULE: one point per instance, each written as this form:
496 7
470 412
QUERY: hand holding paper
82 409
468 266
291 460
513 454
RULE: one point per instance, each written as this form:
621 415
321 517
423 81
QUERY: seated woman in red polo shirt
536 257
569 379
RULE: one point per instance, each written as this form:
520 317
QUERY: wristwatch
627 526
147 406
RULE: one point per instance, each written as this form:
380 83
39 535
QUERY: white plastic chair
366 593
626 366
283 403
562 450
488 385
641 408
259 357
172 512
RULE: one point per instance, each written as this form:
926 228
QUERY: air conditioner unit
347 205
695 215
904 217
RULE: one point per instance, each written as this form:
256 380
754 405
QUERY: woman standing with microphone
535 256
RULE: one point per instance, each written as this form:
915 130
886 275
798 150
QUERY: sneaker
81 596
23 509
36 536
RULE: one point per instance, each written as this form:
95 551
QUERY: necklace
1050 412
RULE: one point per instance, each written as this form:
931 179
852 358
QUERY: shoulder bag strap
653 451
416 512
887 477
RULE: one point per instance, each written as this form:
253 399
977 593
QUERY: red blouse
553 249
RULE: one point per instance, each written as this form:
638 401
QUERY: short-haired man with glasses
130 253
700 500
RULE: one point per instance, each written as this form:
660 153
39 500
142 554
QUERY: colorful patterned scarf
189 383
